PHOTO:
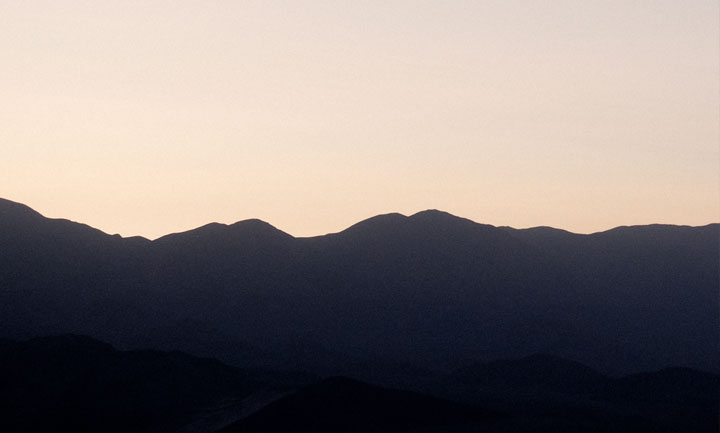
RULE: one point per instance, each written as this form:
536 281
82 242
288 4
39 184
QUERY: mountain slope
562 395
431 290
343 405
534 374
74 383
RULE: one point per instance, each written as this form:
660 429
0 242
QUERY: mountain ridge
76 383
432 290
8 206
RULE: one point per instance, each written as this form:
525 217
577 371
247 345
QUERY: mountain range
388 298
73 383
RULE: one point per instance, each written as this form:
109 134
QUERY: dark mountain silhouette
339 404
674 385
426 292
676 398
534 374
563 395
538 393
75 383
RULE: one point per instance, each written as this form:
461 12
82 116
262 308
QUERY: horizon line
425 211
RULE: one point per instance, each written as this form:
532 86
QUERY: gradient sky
151 117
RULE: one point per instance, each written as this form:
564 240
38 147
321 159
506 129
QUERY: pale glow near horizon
146 118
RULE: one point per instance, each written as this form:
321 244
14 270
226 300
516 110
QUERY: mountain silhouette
340 404
539 373
547 393
431 290
75 383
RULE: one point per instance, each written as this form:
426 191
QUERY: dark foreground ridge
72 383
340 404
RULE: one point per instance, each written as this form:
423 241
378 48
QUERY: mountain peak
255 224
435 216
432 213
250 229
377 223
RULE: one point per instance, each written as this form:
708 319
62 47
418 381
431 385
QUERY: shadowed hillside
77 384
74 383
426 292
342 405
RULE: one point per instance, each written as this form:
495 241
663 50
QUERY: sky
151 117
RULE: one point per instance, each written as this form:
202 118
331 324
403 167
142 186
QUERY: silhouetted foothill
75 383
343 405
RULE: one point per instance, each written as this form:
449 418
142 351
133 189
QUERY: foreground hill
342 405
72 383
393 293
561 395
539 393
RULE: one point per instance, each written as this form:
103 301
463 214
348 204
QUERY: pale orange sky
151 117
